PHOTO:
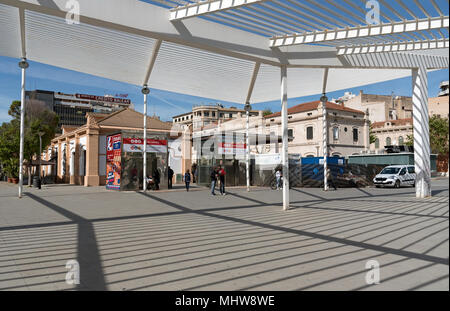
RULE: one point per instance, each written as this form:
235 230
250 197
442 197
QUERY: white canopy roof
219 54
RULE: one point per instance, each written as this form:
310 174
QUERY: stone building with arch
391 133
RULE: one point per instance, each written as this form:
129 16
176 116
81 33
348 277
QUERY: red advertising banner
113 161
104 99
113 147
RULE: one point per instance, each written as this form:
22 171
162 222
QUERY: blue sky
163 103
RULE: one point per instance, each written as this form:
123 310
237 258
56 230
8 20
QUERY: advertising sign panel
137 145
113 161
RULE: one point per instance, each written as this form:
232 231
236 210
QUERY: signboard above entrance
137 145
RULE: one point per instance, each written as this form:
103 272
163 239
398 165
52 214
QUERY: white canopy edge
196 57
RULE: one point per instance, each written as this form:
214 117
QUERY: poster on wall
113 162
137 145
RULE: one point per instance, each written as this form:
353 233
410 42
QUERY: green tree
439 135
38 118
267 112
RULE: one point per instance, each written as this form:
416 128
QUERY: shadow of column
88 255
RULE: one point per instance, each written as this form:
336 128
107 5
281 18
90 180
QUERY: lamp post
247 109
324 100
23 64
40 155
145 91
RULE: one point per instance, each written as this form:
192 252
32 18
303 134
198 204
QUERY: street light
145 90
23 64
324 100
40 156
247 109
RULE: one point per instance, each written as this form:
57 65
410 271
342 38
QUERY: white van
396 176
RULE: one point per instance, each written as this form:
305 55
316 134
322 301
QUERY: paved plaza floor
241 241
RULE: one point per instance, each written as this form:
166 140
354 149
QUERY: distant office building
72 108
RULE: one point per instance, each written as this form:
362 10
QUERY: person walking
213 180
278 177
170 176
330 179
221 173
187 180
156 178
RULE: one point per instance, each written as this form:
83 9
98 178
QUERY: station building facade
80 153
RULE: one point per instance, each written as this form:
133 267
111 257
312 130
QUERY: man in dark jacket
156 178
187 179
213 180
170 176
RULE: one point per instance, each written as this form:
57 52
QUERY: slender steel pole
40 155
145 91
247 142
23 64
284 125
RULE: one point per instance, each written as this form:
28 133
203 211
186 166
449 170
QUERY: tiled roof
130 118
399 122
313 106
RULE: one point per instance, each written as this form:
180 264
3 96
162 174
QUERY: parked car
396 176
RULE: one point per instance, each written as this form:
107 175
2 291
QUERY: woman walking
187 180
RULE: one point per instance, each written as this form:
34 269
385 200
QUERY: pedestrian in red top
222 180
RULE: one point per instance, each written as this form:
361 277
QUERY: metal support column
247 109
284 124
145 91
23 64
421 132
324 101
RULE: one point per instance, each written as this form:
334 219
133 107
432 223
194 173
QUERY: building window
213 114
206 113
221 115
309 114
377 143
231 115
355 135
309 133
401 141
336 133
290 133
388 141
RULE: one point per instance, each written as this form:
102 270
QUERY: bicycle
273 184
